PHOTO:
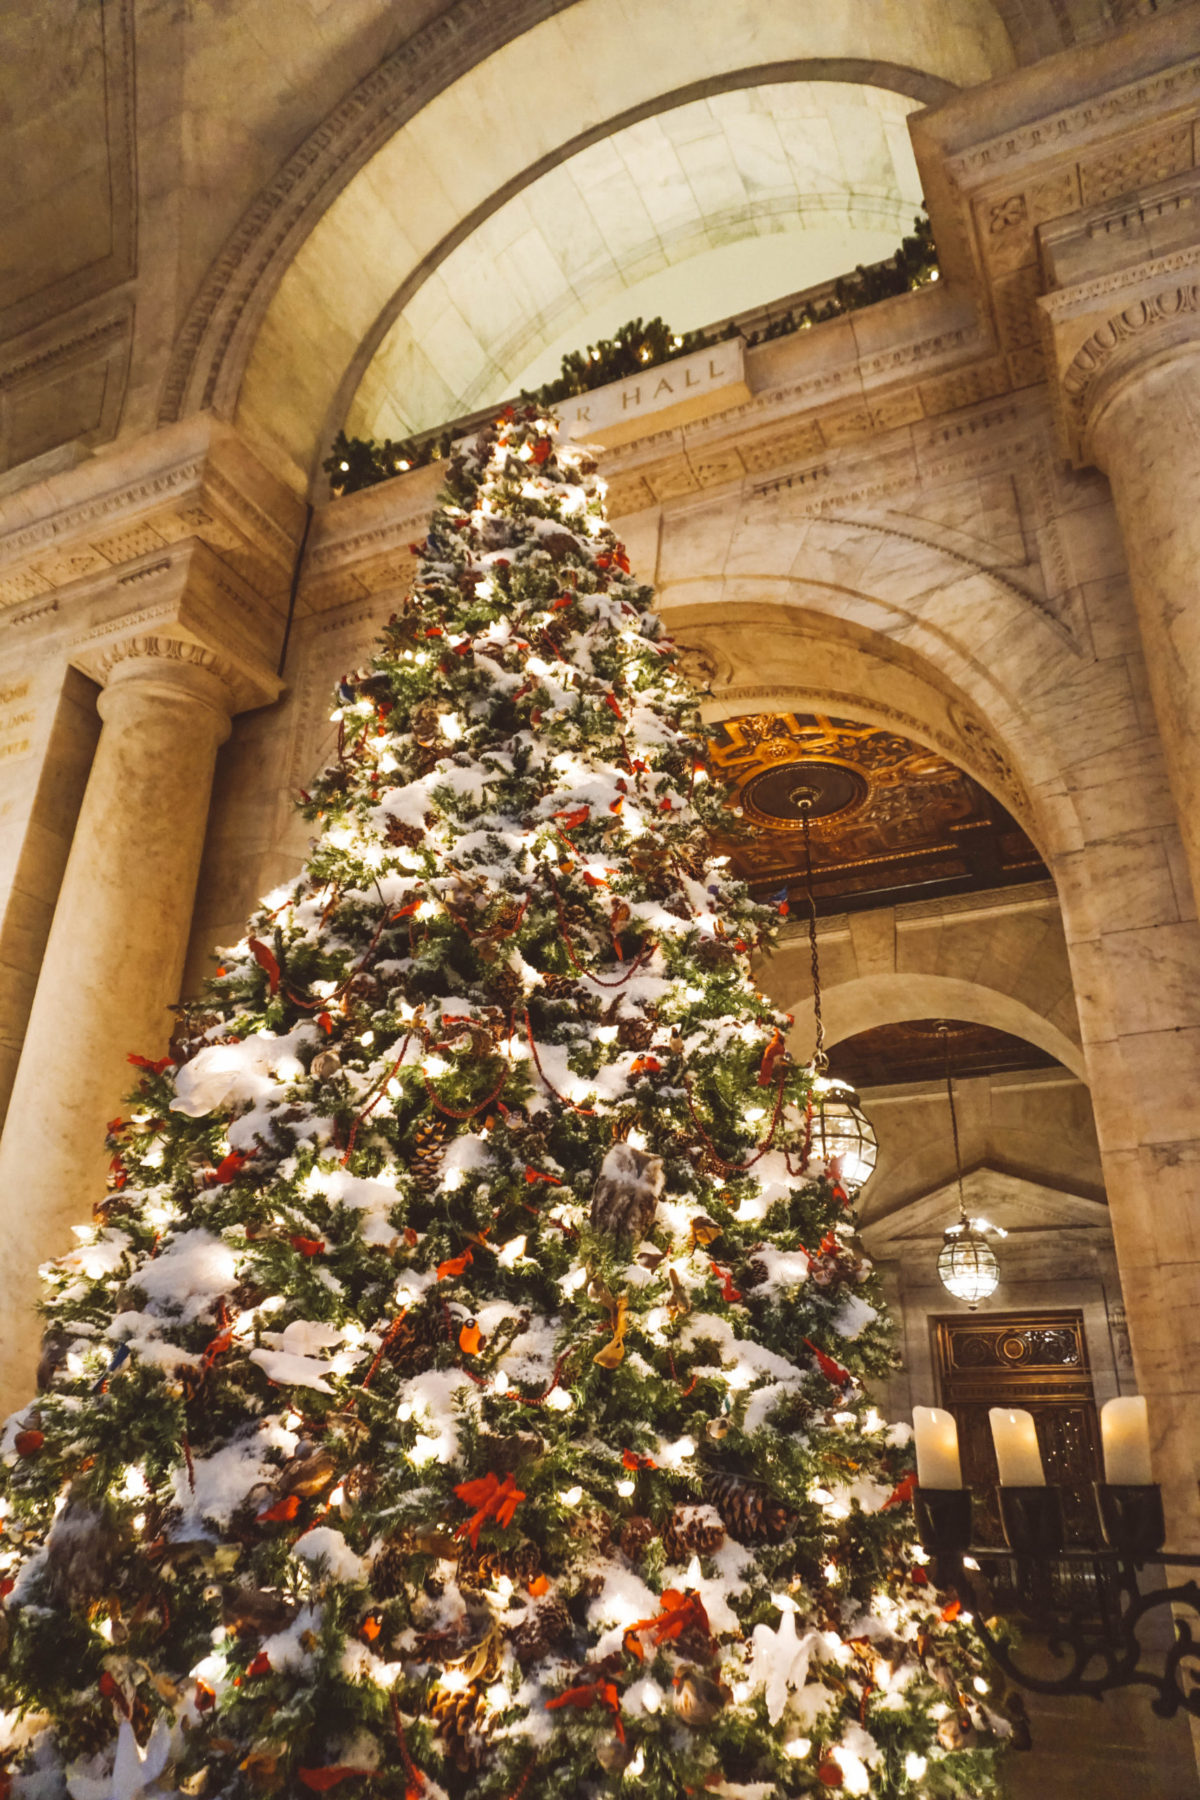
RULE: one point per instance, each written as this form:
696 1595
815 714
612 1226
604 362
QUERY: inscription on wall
16 721
691 387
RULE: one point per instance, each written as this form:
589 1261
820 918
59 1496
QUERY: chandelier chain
944 1033
819 1059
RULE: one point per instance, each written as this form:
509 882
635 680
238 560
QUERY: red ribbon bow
592 1693
681 1612
492 1499
729 1293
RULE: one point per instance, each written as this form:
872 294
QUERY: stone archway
1004 685
452 125
882 999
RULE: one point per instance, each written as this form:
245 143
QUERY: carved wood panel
1037 1361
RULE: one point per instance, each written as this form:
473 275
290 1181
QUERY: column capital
1124 296
165 668
192 622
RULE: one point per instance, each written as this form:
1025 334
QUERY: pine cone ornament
549 1628
461 1718
505 986
626 1192
412 1343
749 1513
399 833
692 1531
426 1163
635 1034
636 1534
478 1568
389 1571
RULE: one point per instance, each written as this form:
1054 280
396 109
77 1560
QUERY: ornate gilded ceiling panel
891 820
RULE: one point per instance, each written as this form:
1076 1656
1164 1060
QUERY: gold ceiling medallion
893 818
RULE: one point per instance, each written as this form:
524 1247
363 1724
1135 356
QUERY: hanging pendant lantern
966 1263
841 1132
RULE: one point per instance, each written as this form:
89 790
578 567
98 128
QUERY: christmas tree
461 1388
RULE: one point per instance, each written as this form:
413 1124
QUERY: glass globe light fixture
842 1132
966 1261
967 1264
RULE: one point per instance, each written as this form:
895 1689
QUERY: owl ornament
626 1192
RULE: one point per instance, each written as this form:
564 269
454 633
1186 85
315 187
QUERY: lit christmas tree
461 1389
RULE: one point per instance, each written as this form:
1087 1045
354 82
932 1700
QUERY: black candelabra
1097 1649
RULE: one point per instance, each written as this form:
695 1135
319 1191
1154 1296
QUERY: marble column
1122 324
1145 435
113 959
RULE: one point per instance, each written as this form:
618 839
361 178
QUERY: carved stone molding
245 274
1098 331
187 612
169 652
65 381
1141 101
111 512
1090 361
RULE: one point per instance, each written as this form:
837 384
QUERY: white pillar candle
1125 1433
937 1448
1015 1437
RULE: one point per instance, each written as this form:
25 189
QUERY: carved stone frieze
96 519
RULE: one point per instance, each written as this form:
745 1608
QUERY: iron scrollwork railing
1093 1616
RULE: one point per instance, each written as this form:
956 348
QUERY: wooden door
1037 1361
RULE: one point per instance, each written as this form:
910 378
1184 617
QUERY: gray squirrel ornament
626 1192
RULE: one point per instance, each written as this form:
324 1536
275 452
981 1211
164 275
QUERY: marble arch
850 652
319 254
878 999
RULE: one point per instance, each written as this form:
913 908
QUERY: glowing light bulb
915 1766
404 1411
638 1764
626 1488
500 1382
798 1746
512 1252
559 1400
571 1496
